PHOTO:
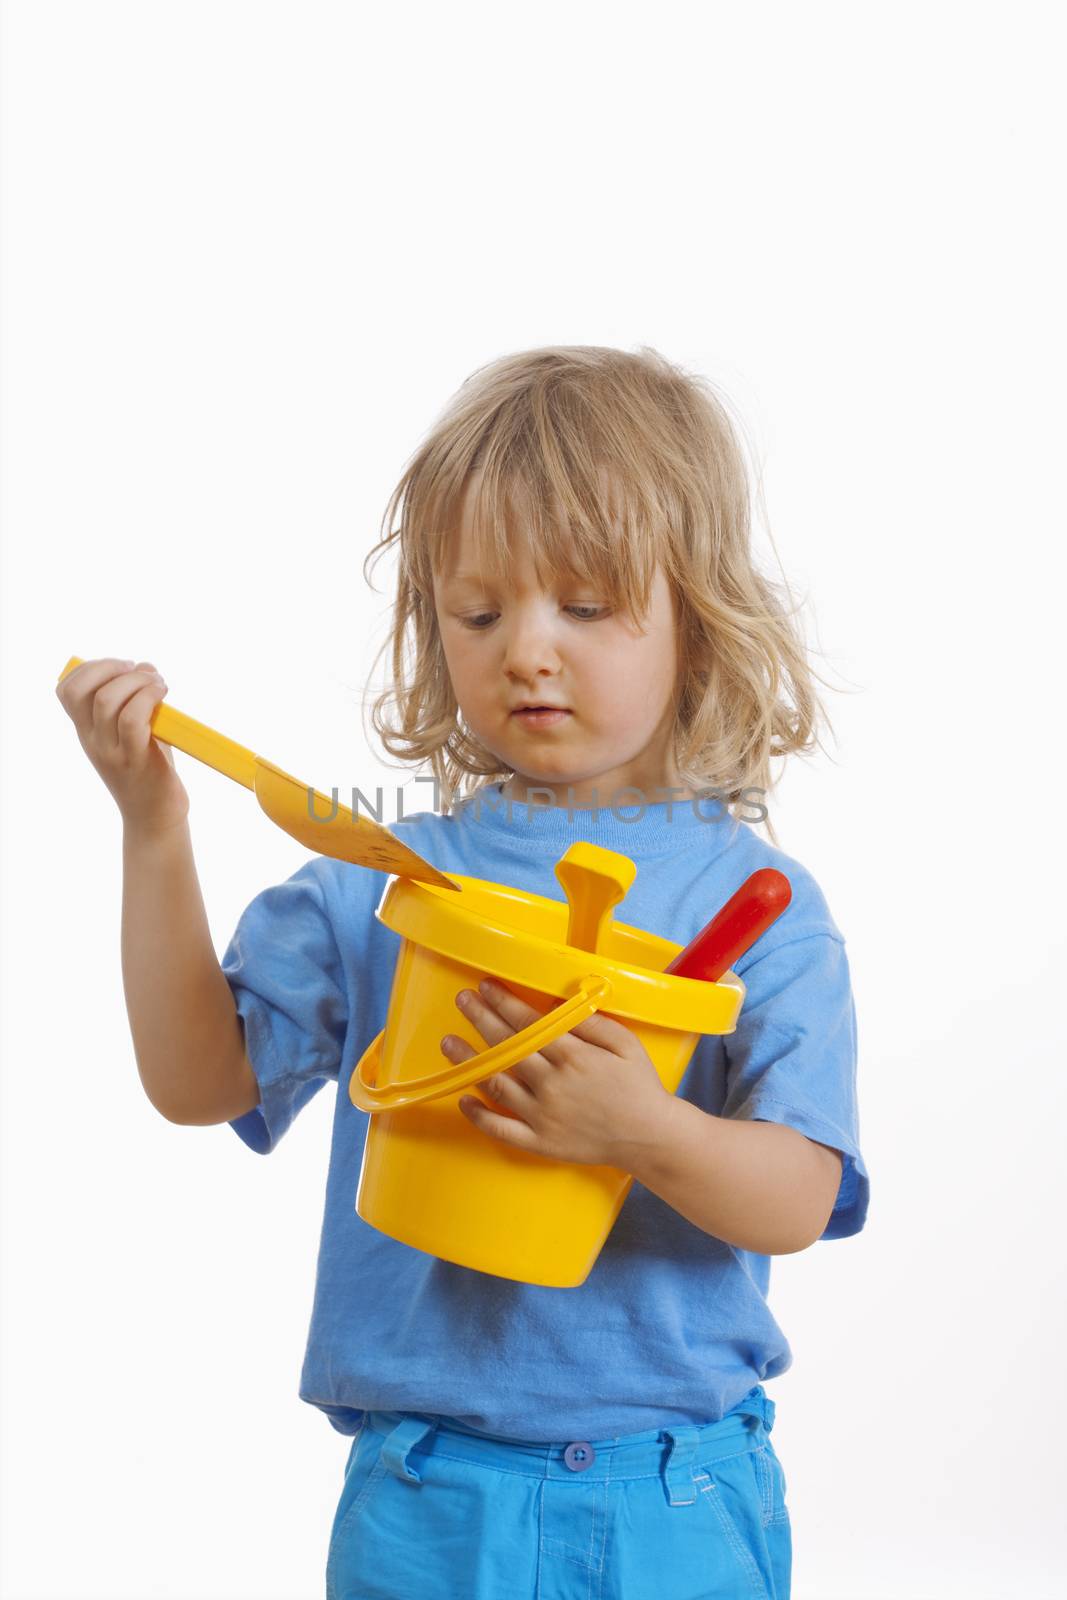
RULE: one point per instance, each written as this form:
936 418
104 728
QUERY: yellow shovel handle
593 990
195 739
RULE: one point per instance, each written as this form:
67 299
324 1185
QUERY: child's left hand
591 1097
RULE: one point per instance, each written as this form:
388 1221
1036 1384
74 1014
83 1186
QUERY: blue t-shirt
672 1325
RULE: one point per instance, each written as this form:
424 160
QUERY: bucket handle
593 990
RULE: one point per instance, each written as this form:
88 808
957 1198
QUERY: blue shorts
433 1511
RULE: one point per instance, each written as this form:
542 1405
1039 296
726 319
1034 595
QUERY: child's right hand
111 704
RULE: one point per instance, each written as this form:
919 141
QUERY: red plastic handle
760 900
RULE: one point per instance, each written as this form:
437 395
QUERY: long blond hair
543 425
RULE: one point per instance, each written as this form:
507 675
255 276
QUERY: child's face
508 640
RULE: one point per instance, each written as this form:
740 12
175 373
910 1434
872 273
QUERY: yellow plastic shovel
310 817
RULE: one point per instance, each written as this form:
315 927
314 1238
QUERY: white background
249 251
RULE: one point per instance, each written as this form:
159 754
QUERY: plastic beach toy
429 1177
311 817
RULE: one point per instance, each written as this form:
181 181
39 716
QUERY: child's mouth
541 716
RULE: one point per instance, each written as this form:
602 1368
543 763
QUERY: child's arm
758 1185
187 1034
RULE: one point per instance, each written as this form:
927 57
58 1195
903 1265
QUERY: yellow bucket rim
438 920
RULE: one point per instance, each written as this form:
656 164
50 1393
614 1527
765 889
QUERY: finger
608 1033
88 674
599 1029
122 709
509 1130
493 1028
503 1087
135 719
515 1011
77 689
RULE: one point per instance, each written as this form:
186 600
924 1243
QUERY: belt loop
404 1436
756 1404
677 1466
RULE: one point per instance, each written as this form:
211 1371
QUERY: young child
574 534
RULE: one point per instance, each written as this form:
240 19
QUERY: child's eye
593 614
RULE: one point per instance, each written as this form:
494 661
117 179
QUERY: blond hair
541 427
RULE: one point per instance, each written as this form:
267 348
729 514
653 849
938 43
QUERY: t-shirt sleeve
284 968
792 1059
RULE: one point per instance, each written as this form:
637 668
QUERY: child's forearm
187 1035
758 1185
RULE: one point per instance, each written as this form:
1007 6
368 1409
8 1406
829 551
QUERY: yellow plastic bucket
430 1178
